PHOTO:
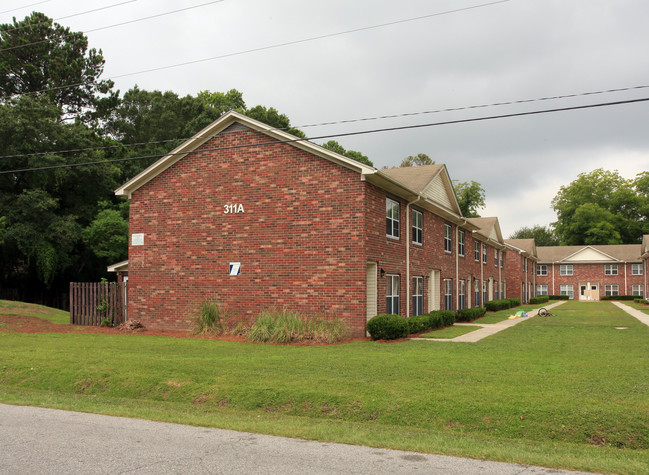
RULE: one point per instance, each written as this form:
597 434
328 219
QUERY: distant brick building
250 215
521 268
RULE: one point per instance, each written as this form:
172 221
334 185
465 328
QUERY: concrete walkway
489 329
643 317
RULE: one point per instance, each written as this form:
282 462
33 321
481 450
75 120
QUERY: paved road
48 441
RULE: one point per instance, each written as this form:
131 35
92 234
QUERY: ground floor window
476 287
485 297
462 294
417 295
611 290
637 291
392 294
541 289
448 294
567 290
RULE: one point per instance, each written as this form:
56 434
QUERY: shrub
288 326
619 297
441 318
387 326
644 301
495 305
208 318
419 323
514 302
469 314
539 299
558 297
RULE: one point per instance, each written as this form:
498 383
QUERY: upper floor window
484 253
610 269
460 242
565 269
476 251
392 218
417 227
448 242
636 269
542 269
502 259
496 257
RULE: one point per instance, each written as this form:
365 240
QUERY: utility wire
345 121
24 6
264 48
105 28
347 134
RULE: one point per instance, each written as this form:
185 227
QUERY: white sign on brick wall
137 239
235 268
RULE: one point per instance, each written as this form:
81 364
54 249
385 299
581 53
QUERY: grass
9 307
567 392
451 332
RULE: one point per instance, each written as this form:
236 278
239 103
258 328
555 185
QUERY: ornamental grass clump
288 326
208 318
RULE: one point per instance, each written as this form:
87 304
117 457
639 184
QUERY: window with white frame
392 218
541 289
392 294
417 295
484 253
448 294
636 269
476 287
485 295
460 242
611 290
448 241
565 269
637 290
496 257
417 227
502 259
610 269
567 290
476 251
461 294
542 269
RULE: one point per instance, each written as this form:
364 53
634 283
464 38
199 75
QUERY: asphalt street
48 441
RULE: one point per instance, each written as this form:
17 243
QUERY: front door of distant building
588 291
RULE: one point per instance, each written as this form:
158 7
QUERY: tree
601 207
542 235
470 197
417 160
107 234
273 118
42 57
353 154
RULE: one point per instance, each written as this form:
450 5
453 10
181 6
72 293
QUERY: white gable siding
589 255
436 191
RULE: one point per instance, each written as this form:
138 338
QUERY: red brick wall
299 239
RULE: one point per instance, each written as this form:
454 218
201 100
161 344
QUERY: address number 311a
233 208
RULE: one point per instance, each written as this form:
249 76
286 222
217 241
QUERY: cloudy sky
340 60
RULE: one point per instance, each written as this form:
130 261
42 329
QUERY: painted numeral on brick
233 208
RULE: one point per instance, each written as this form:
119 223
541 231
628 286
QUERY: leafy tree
601 207
40 56
417 160
273 118
353 154
470 197
542 235
107 234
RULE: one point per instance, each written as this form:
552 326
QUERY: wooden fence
94 303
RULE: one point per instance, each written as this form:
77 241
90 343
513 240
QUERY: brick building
521 268
250 215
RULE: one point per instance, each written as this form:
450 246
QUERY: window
542 269
567 290
565 269
476 251
460 242
485 297
502 259
541 289
462 294
448 242
391 218
636 269
484 253
476 287
392 294
496 257
611 290
417 296
524 264
496 287
448 294
610 269
637 291
417 227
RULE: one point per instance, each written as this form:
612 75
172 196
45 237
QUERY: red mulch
21 324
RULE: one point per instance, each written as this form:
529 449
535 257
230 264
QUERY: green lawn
9 307
569 391
451 332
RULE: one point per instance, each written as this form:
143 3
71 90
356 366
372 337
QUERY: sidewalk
643 317
493 328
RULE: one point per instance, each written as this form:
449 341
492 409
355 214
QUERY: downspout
408 241
553 293
625 285
457 268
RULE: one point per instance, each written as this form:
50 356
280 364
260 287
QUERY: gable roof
590 254
489 228
526 246
644 252
227 120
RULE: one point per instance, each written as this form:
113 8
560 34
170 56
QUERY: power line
347 134
278 45
349 121
105 28
24 6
